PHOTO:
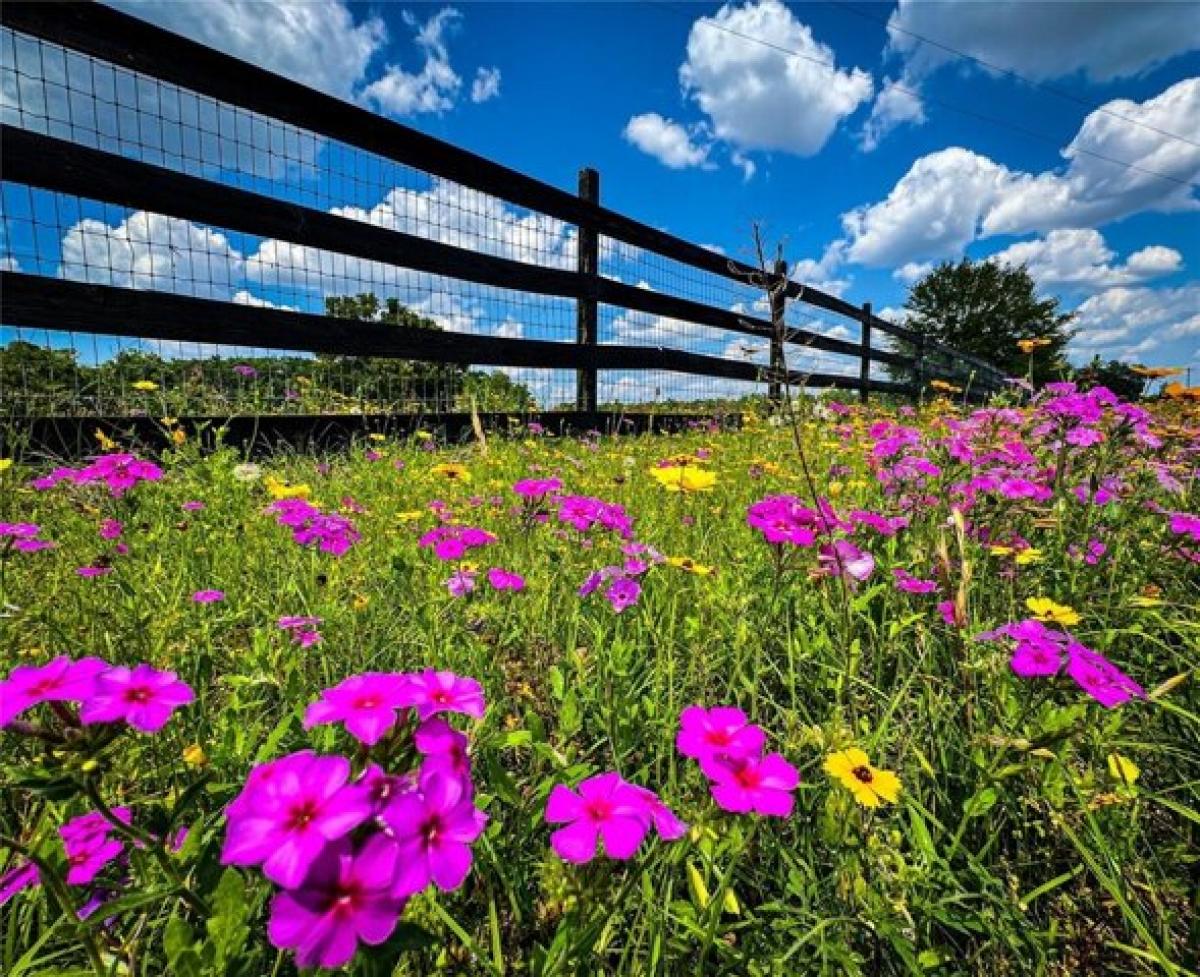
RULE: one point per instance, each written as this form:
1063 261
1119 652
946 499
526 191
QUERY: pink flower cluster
1039 651
583 512
302 629
532 489
142 697
452 542
24 536
621 586
784 519
332 533
120 472
729 749
610 809
348 850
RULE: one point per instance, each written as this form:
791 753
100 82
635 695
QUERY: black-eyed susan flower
870 786
453 471
1046 610
687 564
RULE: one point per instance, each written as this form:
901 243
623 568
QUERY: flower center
138 693
863 773
431 830
366 702
301 815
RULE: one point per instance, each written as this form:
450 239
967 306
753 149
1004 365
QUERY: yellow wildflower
149 386
194 755
869 785
360 602
1123 769
452 470
689 565
424 436
1140 601
106 443
1028 556
1044 609
412 515
179 435
1029 345
280 489
374 436
5 464
945 387
1001 550
684 478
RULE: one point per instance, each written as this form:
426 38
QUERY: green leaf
228 926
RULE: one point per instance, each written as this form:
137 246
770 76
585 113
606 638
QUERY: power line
914 93
1011 72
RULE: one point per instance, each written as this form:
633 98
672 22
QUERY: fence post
778 329
864 366
587 264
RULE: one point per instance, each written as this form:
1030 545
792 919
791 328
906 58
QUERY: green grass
1012 850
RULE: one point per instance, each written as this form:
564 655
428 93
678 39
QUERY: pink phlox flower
604 807
89 845
664 820
18 878
286 815
208 596
502 579
537 488
120 472
451 542
1185 524
744 785
461 582
432 692
906 582
884 525
721 730
623 593
383 787
346 897
1100 678
365 704
141 696
59 680
433 828
841 557
111 529
444 749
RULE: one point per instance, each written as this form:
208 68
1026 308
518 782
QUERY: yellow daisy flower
452 470
691 566
149 386
280 489
869 785
1122 769
1044 609
684 478
1028 556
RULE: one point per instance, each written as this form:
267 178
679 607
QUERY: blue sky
870 152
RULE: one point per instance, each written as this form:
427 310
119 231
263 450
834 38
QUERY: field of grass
998 609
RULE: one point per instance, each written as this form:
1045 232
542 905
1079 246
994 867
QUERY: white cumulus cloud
1079 259
486 85
668 142
762 95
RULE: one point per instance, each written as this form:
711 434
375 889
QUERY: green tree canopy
986 308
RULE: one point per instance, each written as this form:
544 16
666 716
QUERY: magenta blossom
434 827
345 897
664 820
60 680
502 579
536 488
605 807
453 542
623 593
16 879
906 582
721 730
432 692
1100 678
89 573
366 704
747 784
111 529
208 596
141 696
120 472
461 582
843 558
286 814
89 844
444 749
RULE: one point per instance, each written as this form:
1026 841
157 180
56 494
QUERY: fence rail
64 166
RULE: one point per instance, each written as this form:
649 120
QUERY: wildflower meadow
840 691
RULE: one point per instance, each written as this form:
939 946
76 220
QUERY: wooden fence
62 166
